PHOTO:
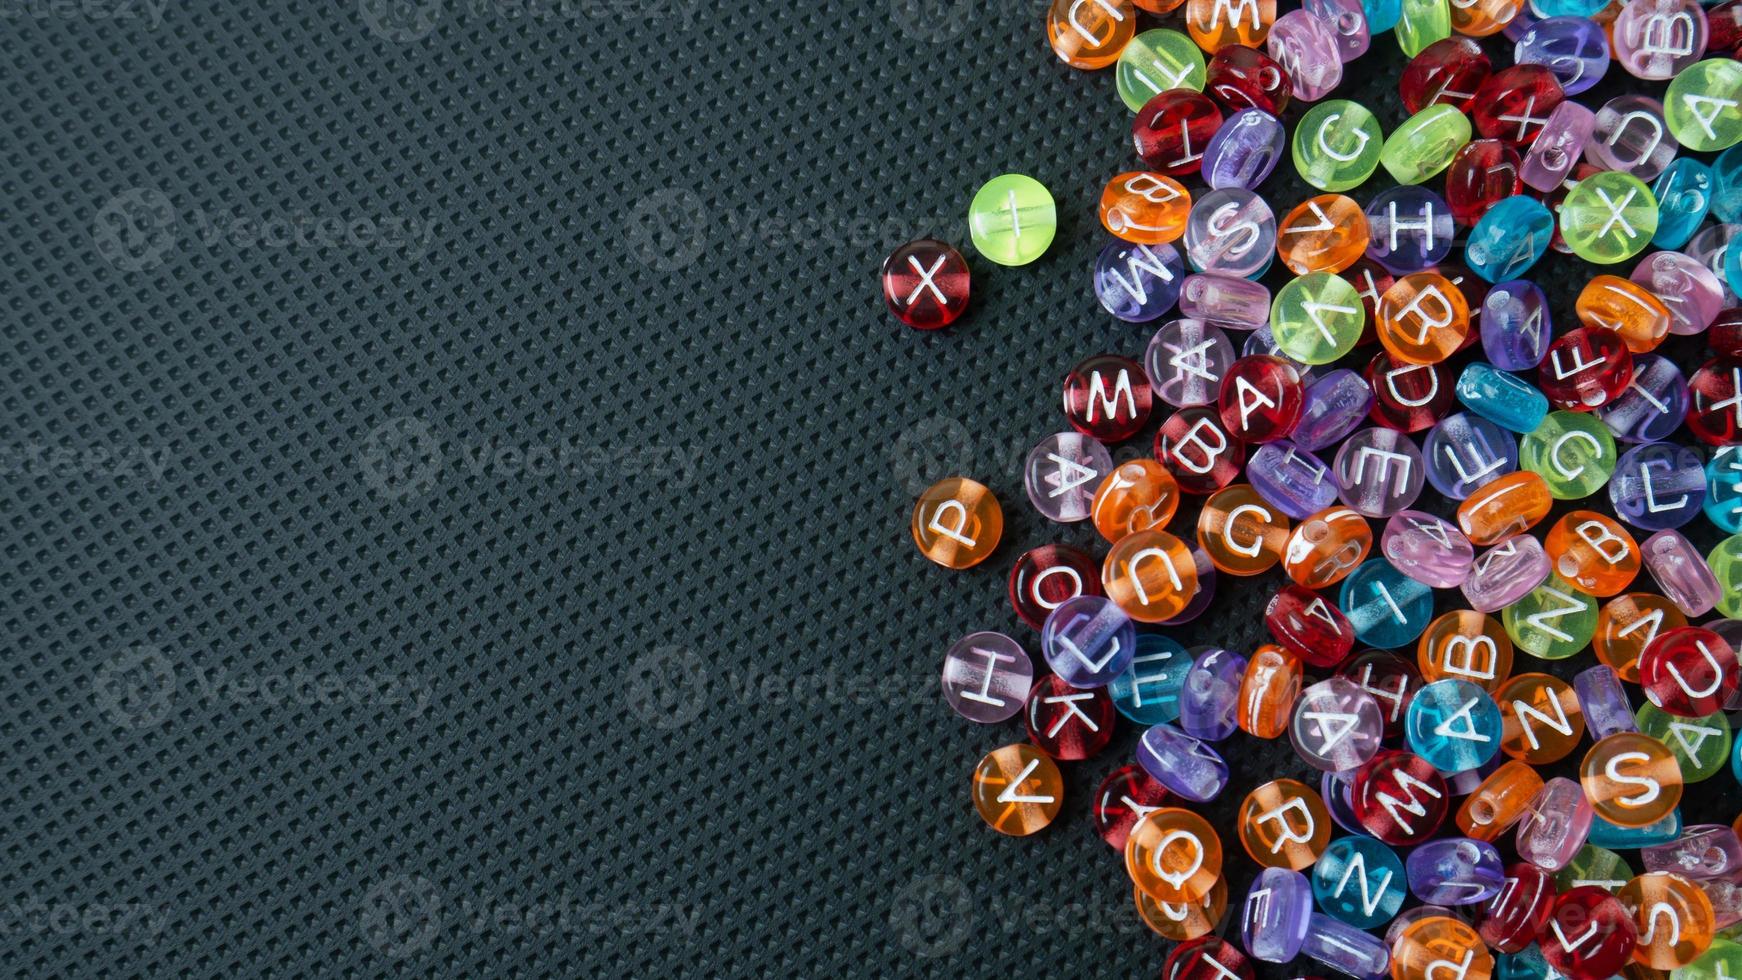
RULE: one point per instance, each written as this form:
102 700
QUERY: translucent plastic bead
1185 362
1608 217
1655 39
1614 835
987 677
1423 318
1307 49
1387 608
1689 671
1391 680
1173 855
1336 145
1066 722
1126 796
1359 881
1501 398
1231 231
1182 921
1411 228
1465 452
1704 851
1150 575
1482 18
1348 23
1604 702
1317 318
1273 921
1327 233
1291 479
1172 129
1207 958
1629 135
1326 546
1345 948
1408 397
1680 571
1446 72
1336 726
1217 23
1555 824
1427 549
1483 173
1088 641
1703 105
1284 824
1336 403
1572 452
1652 406
1379 472
1540 717
1506 573
1689 291
1155 61
1244 78
1382 15
1684 194
1594 866
1553 621
1513 103
1710 246
1511 236
1593 553
1454 725
926 284
1062 473
1245 150
1516 326
1723 505
1187 766
1145 208
1589 935
1509 505
1701 746
1012 219
1715 406
1499 801
1399 797
1211 692
1198 451
1018 790
1586 368
1626 624
1558 146
1136 496
1421 23
1090 33
1107 397
1148 691
957 523
1425 144
1631 779
1138 283
1672 917
1455 871
1261 399
1240 532
1574 48
1511 920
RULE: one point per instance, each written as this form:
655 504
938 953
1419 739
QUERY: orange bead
1674 918
1136 496
1465 645
1509 505
1268 691
1595 554
1159 6
1018 789
1284 824
1145 208
1481 18
1090 33
1180 921
1499 801
1151 575
957 522
1631 779
1624 306
1627 623
1423 318
1173 855
1540 719
1242 534
1439 947
1326 547
1327 233
1213 23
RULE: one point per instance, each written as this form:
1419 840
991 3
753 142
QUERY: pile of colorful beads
1512 418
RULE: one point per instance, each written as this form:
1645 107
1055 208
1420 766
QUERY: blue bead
1526 964
1727 185
1502 398
1138 283
1606 834
1509 239
1566 8
1723 504
1466 452
1516 325
1359 881
1148 691
1684 195
1574 48
1733 262
1387 608
1382 15
1455 725
1736 759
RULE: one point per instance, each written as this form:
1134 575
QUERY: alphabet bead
1483 173
1553 621
1125 797
1017 790
1148 691
1593 553
1206 958
1506 506
1068 723
1231 231
1684 195
1172 129
1278 907
1245 150
1145 208
1344 948
1307 49
1701 746
1198 451
1211 694
1155 61
1652 406
1455 871
1245 78
1629 135
1511 236
1241 533
1217 23
1516 326
1465 645
926 284
1336 403
1425 143
1689 671
1284 824
1511 919
1574 48
1173 855
1407 397
1336 145
1291 479
1506 573
1399 797
1541 721
1590 934
1138 283
1136 496
1672 917
1681 573
1655 39
1150 575
1427 549
1555 824
1185 362
1499 801
1513 103
1446 72
1572 452
1604 702
1090 33
1454 725
1465 452
1182 921
1359 881
1586 369
957 523
1631 779
1062 474
1268 691
1013 219
1327 233
1423 318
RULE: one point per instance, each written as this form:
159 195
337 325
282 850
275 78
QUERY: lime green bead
1700 745
1553 621
1721 961
1422 23
1425 144
1336 145
1317 318
1608 217
1725 560
1595 866
1156 61
1013 219
1703 107
1573 452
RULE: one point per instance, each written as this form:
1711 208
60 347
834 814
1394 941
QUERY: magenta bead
1681 572
1348 21
1425 548
1185 362
1230 231
1504 573
1557 147
987 677
1229 302
1656 39
1379 472
1306 47
1690 290
1555 825
1629 135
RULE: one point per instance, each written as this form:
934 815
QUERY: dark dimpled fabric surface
456 477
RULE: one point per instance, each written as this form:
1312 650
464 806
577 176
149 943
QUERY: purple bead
1658 486
1455 871
1504 573
1334 789
1653 404
1210 694
1555 824
1185 362
1229 302
1348 21
1409 229
1681 572
1344 948
1291 479
1690 290
1516 327
1138 283
1520 25
1335 404
1336 726
1379 472
1063 473
1206 590
986 677
1466 452
1279 906
1087 641
1629 135
1306 47
1702 851
1557 147
1187 766
1604 702
1245 150
1574 48
1428 549
1232 232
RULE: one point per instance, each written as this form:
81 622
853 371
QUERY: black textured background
530 593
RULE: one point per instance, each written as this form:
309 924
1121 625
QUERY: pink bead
1379 472
1681 572
1505 573
1557 147
1656 39
1630 136
1425 548
1306 47
1690 290
1229 302
1555 825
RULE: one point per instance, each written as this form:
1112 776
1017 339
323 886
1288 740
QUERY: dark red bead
1688 671
926 284
1585 369
1408 397
1171 130
1370 280
1484 173
1589 935
1107 397
1391 679
1475 291
1125 796
1715 408
1261 398
1399 797
1245 78
1044 577
1446 72
1513 103
1724 29
1067 723
1309 626
1511 919
1197 449
1724 336
1206 957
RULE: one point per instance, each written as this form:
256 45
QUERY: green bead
1700 745
1423 22
1703 107
1553 621
1336 145
1597 866
1573 452
1725 560
1721 961
1317 318
1156 61
1425 144
1608 217
1012 219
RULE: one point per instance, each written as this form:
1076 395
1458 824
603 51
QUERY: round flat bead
1198 451
1672 917
1155 61
1689 671
1586 369
1206 958
1574 48
1336 145
1629 135
1284 824
926 284
1691 294
1421 23
1044 577
1455 871
1136 496
1211 692
1151 575
1185 362
1261 399
1600 921
1138 283
1148 691
1485 17
1593 553
1273 923
1596 867
1408 397
1711 247
1088 641
1379 472
1703 106
1555 824
1410 228
1466 646
1327 233
1359 881
1307 48
1724 336
1126 796
1427 549
1608 217
1370 280
1018 790
1173 855
1068 723
1558 146
1626 624
1336 403
1309 627
1012 219
1347 20
1226 301
1655 39
1701 746
1727 195
1553 621
1513 103
1062 474
1572 452
1501 398
1423 318
1345 948
1183 921
1516 326
1425 143
1701 852
1506 573
1145 208
1483 173
1631 779
1090 35
1391 680
1206 590
1724 28
1508 505
1653 405
1658 486
1291 479
1453 724
1172 129
1541 718
1231 232
1715 402
1446 72
1107 397
1245 78
1241 533
1317 318
1723 505
1245 150
957 523
1382 15
1465 452
1326 547
987 677
1187 766
1399 798
1684 195
1511 920
1215 24
1337 726
1511 236
1386 607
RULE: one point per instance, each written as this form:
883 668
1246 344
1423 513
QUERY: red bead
1391 680
1044 577
1399 797
1715 405
1170 131
1585 369
1261 398
1370 280
1724 336
1689 671
1309 626
1067 723
1125 797
1511 919
1589 935
1724 29
1206 957
1446 72
1513 103
1408 397
1475 292
926 283
1198 451
1245 78
1484 173
1107 397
